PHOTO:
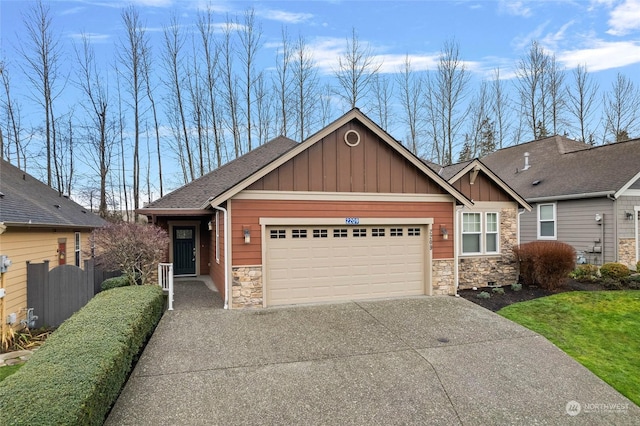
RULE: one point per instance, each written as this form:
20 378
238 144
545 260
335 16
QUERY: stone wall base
246 288
443 277
627 252
479 271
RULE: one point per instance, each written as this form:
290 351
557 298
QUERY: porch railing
165 279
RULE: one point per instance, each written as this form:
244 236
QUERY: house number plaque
352 220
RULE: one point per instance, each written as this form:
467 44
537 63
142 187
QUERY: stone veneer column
442 276
246 288
627 252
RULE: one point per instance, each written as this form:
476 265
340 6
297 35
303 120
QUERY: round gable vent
352 138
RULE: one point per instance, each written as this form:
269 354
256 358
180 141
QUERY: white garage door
332 263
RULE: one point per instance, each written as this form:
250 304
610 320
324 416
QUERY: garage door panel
346 264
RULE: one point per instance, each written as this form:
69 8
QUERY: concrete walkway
425 360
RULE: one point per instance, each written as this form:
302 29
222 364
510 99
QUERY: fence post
165 280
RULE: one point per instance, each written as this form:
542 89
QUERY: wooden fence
57 294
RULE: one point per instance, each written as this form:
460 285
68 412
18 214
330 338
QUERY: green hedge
75 377
114 282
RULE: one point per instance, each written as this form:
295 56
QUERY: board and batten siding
33 245
247 213
576 225
330 165
482 188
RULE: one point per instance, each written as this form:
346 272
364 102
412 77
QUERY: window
480 233
77 250
491 235
278 234
395 232
413 232
319 233
339 233
359 232
377 232
299 233
546 221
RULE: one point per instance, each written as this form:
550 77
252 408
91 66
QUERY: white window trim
483 234
77 244
555 222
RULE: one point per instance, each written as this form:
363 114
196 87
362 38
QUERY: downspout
227 237
615 230
518 226
456 260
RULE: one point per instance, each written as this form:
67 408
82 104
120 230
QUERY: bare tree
410 95
130 55
356 70
122 177
556 90
173 43
582 102
283 81
622 109
480 138
146 75
94 87
531 73
305 84
499 109
42 53
249 34
205 28
445 95
326 97
382 99
14 130
230 92
264 110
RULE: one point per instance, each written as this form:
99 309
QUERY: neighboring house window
217 237
77 249
546 221
480 233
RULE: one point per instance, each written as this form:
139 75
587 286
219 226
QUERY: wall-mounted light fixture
598 217
444 232
247 234
629 215
210 226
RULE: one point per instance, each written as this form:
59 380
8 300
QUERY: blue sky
603 34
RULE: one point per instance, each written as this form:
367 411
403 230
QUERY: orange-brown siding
483 188
248 213
216 271
330 165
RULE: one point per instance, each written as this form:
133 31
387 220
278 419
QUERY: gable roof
561 168
196 194
25 201
223 183
455 172
354 114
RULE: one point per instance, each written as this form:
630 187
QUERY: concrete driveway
424 360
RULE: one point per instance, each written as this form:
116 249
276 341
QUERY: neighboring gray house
587 196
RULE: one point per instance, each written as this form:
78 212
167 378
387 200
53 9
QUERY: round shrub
614 271
109 283
585 272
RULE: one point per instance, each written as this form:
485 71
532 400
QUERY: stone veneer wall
246 288
627 252
502 269
442 277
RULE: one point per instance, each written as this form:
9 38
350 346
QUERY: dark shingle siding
26 200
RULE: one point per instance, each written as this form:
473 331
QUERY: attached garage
337 262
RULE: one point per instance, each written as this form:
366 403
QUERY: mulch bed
499 301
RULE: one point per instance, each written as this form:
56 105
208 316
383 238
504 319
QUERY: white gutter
456 260
227 238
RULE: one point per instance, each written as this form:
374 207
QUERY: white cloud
286 17
625 18
92 37
602 55
515 8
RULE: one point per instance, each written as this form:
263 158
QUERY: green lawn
599 329
8 370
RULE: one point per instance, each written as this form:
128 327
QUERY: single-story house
347 214
587 196
37 224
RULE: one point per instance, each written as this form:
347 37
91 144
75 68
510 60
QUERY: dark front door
184 250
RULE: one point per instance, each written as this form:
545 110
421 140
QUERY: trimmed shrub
586 272
77 375
545 263
632 282
638 267
516 286
614 271
115 282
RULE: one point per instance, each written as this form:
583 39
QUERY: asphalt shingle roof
564 167
196 193
24 200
